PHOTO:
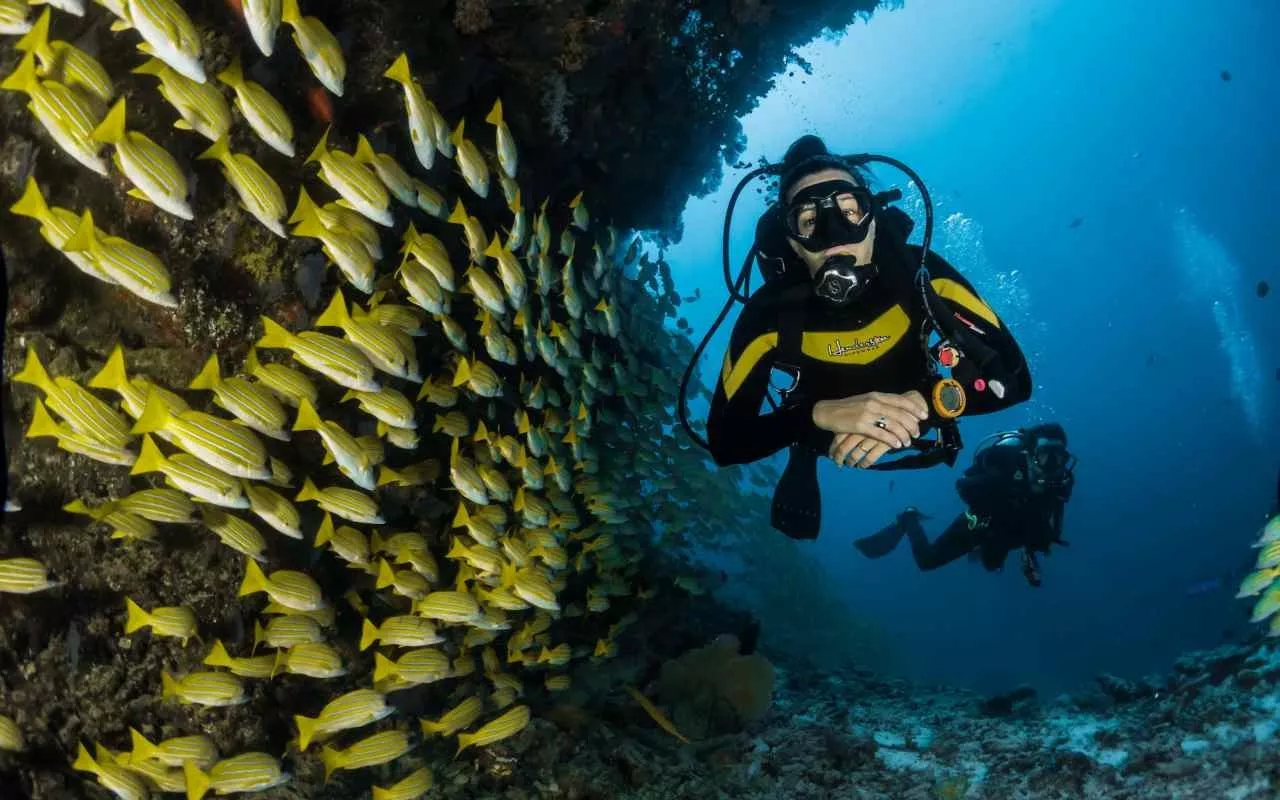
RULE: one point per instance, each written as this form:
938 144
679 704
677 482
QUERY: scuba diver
1015 491
853 330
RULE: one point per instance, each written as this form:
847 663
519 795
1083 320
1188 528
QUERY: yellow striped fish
509 271
318 45
386 405
507 725
176 621
133 391
263 19
404 630
191 475
421 112
403 438
158 776
235 533
558 683
506 143
336 216
283 632
340 361
249 667
274 509
430 252
454 607
259 193
68 116
477 376
13 17
135 268
423 288
285 382
485 289
415 667
430 200
405 583
391 315
474 232
221 444
532 587
293 590
313 659
380 748
411 787
247 772
352 458
83 412
460 716
354 709
204 688
155 174
474 169
122 783
57 225
438 394
265 114
347 543
248 402
169 33
357 183
389 349
454 423
388 171
420 561
465 478
172 752
65 63
324 617
419 474
343 248
159 505
346 503
200 106
24 576
43 425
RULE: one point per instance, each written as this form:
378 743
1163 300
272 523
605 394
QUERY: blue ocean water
1104 173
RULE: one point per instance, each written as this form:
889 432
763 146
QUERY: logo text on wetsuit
835 349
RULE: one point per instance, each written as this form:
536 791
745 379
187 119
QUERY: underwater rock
1021 699
1121 690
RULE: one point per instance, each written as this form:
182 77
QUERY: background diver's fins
797 503
881 543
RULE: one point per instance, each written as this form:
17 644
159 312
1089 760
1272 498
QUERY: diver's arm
980 322
736 430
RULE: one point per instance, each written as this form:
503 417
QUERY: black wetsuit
872 345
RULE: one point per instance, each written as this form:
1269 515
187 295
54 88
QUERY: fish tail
31 203
382 794
386 576
136 616
387 475
23 78
335 316
84 762
254 579
463 373
307 217
78 507
233 75
143 749
306 730
34 373
290 13
112 128
325 532
465 740
576 201
518 505
508 577
169 686
495 115
251 364
494 249
308 418
321 147
152 66
331 760
399 70
459 213
308 491
85 239
42 424
274 335
150 459
112 375
259 635
197 780
368 634
209 377
278 663
461 517
218 150
36 40
383 667
155 416
456 136
218 655
364 151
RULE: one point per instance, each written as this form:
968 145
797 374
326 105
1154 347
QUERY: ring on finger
882 423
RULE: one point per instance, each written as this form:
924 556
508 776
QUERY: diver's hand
890 419
856 450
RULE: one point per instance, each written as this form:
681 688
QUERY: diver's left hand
856 450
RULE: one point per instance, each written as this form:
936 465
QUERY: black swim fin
797 502
881 543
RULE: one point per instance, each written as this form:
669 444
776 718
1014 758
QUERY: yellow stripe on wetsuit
956 292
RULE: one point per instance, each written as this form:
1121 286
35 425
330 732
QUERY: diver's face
852 211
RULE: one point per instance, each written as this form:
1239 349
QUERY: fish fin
233 75
169 687
517 204
42 424
576 201
495 247
136 616
218 657
308 418
518 505
112 127
364 151
327 459
197 780
36 40
335 316
463 373
457 136
78 507
31 203
150 459
399 70
84 762
307 216
209 377
143 749
255 580
459 213
383 667
119 25
306 729
251 364
278 663
85 239
461 517
308 491
23 78
259 635
274 335
386 575
155 416
368 634
182 124
331 760
290 13
495 115
325 531
152 66
34 373
322 146
386 475
218 150
138 194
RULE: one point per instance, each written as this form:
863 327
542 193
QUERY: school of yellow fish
550 363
